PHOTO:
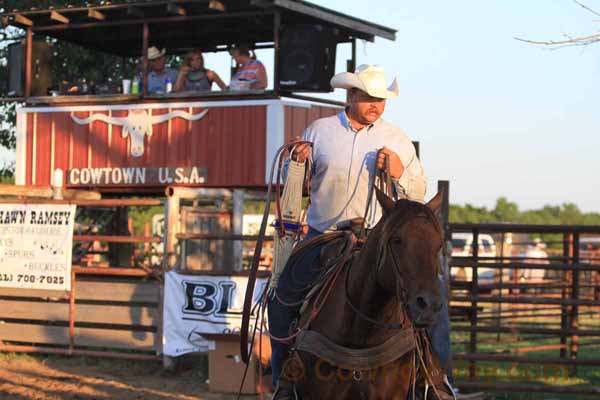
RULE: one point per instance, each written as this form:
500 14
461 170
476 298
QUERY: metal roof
183 24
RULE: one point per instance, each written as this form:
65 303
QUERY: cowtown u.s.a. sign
136 176
136 126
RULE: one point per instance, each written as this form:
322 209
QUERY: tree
505 211
71 61
569 40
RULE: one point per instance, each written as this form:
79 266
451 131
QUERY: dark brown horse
389 289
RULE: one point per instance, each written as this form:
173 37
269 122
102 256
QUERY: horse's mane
405 209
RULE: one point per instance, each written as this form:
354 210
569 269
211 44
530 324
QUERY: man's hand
300 151
396 166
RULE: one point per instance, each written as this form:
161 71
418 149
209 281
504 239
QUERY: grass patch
534 373
7 357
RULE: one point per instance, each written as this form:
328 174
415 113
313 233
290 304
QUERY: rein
364 316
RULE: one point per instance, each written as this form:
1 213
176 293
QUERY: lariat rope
246 314
289 213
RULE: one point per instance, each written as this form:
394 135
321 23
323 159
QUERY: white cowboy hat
368 78
154 53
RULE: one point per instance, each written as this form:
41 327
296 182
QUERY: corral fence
113 306
525 307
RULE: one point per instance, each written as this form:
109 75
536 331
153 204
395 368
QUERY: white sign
195 305
36 242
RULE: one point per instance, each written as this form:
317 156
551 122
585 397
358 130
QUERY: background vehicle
462 246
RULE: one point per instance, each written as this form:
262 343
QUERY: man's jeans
440 334
293 286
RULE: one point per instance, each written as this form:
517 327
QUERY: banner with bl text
201 304
36 242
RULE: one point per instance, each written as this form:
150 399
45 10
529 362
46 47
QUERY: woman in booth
194 77
250 72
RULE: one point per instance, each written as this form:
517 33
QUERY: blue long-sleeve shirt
344 165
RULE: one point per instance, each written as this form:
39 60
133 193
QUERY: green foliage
71 63
142 215
506 211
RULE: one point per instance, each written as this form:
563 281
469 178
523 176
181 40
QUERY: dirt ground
55 377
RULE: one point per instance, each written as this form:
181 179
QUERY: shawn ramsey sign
142 176
195 305
36 242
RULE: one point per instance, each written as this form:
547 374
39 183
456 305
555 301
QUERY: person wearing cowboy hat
346 150
159 74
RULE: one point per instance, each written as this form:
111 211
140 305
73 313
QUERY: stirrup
449 386
285 390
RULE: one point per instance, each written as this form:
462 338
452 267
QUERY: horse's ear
436 202
387 204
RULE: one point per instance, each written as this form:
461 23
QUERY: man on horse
347 149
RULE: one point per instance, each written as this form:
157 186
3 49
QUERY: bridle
401 291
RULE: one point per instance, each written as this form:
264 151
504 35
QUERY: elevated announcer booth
218 139
176 150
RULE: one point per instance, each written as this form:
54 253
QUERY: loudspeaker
41 69
16 70
307 58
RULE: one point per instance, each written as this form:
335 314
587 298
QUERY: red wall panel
43 147
62 139
80 135
229 141
29 148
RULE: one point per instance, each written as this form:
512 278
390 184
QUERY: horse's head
409 239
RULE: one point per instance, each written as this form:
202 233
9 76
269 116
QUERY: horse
359 336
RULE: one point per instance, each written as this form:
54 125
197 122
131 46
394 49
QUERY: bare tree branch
570 40
587 8
575 41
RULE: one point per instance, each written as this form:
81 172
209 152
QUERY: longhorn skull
137 124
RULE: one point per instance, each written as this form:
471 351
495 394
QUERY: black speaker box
41 69
306 58
16 70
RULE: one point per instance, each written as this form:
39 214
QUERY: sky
494 116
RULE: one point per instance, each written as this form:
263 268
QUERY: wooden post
147 248
238 227
474 295
563 308
444 187
145 36
171 230
72 313
417 149
500 280
575 308
353 55
28 61
351 63
276 31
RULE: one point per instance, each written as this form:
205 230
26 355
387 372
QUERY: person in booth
250 73
159 75
194 77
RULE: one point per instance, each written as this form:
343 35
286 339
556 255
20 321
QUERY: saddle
333 244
